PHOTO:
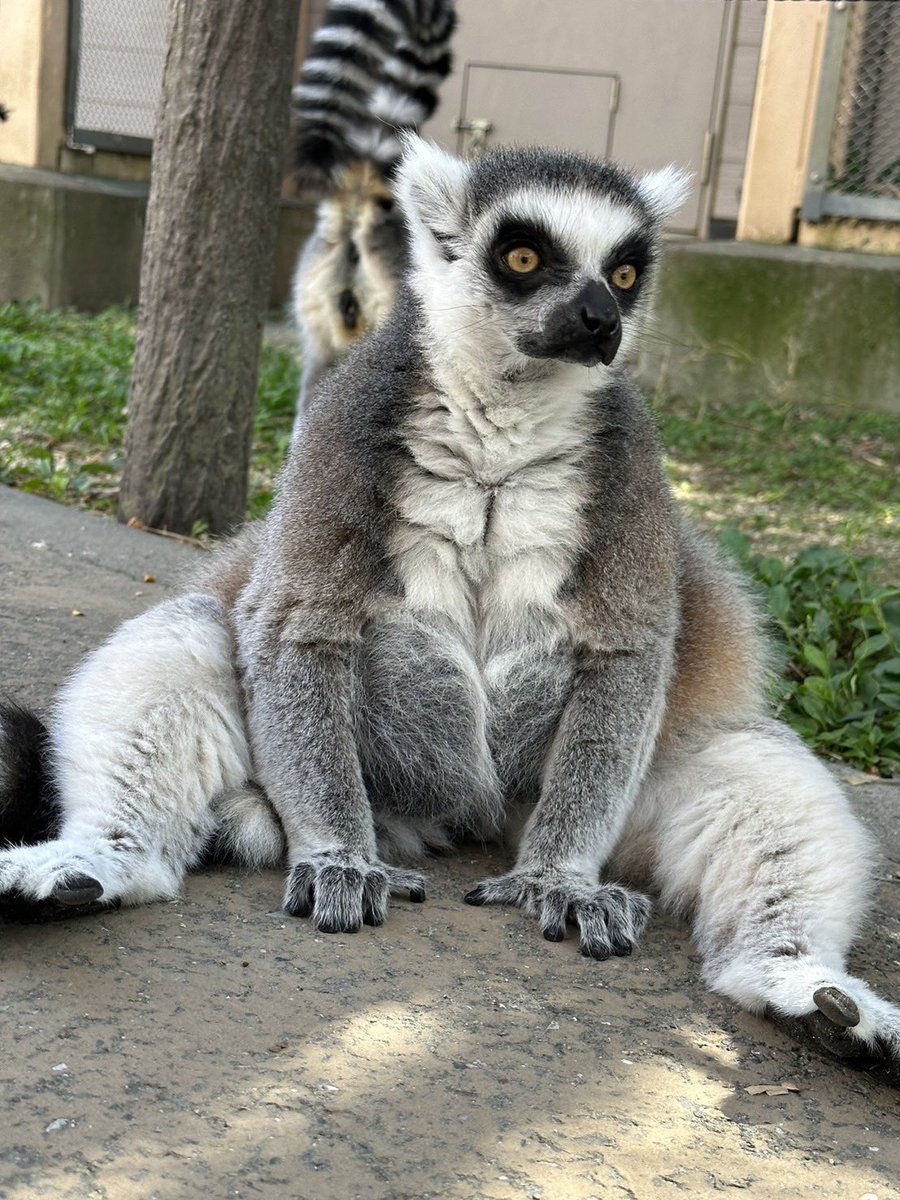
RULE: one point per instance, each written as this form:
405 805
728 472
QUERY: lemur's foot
341 893
610 918
843 1030
48 880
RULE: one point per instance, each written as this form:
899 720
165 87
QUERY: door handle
479 128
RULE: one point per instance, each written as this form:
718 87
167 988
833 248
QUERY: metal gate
116 58
854 164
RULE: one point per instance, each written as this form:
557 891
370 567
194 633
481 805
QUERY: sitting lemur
474 610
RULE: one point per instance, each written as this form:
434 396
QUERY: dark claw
622 949
417 895
555 934
371 918
77 889
476 896
338 927
837 1006
597 952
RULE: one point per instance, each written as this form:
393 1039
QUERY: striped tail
29 803
373 69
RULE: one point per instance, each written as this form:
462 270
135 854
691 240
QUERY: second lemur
373 70
475 609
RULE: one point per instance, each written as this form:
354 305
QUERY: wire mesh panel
865 139
854 167
118 52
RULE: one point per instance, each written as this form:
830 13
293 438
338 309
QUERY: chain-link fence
118 49
855 151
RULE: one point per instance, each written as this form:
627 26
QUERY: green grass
838 630
774 478
63 395
788 477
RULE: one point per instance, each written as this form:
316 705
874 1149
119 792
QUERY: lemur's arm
304 751
299 714
298 627
603 745
602 748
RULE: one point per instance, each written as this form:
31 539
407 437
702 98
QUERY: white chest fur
491 507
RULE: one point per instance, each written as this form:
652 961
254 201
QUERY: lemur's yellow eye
523 260
625 276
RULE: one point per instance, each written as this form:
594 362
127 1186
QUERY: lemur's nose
598 314
598 310
603 322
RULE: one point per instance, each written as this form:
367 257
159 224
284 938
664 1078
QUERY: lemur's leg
755 840
146 736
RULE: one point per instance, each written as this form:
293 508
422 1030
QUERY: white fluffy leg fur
753 839
147 734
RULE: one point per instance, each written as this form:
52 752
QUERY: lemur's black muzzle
585 329
599 315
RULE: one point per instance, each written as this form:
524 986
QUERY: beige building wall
33 47
781 126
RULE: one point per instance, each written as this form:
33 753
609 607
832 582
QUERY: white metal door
538 103
639 82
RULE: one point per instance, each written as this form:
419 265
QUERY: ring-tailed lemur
474 607
373 70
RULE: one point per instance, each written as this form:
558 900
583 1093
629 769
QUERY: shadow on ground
215 1046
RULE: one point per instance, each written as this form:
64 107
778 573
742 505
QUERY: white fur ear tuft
431 185
665 191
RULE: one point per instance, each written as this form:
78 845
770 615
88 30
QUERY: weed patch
839 684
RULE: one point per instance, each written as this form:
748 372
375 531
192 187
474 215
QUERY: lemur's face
564 273
551 253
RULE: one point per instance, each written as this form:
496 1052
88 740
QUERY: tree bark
206 271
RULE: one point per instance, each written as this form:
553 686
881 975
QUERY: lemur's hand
342 892
610 918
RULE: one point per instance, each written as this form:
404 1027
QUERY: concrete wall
732 318
74 240
800 324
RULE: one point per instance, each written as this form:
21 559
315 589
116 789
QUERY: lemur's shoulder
325 538
627 573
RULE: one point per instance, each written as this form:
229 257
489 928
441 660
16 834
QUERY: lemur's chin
581 354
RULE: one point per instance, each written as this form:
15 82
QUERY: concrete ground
213 1046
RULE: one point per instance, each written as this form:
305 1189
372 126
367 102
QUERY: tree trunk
218 161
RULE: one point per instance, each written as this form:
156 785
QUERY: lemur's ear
431 188
665 191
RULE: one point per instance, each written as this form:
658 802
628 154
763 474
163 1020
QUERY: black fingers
339 894
503 889
410 882
554 913
374 898
611 921
299 898
340 898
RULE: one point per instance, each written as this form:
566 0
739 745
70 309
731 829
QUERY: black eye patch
553 265
636 252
